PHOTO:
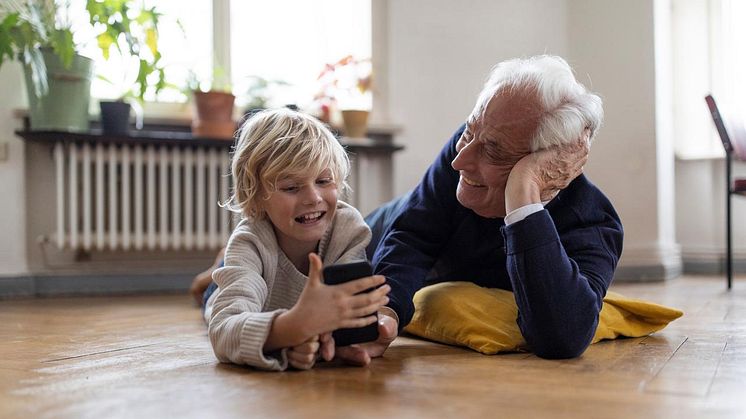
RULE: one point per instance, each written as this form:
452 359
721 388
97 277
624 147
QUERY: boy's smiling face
301 209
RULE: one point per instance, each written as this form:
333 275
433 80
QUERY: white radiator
134 197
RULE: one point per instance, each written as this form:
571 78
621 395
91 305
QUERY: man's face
490 146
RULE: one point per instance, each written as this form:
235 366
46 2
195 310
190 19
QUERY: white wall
441 51
12 195
439 55
700 183
614 43
700 203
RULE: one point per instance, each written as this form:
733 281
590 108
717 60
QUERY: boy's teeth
311 216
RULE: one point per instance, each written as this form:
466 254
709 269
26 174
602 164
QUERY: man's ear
588 135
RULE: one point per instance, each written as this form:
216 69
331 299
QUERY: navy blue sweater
558 262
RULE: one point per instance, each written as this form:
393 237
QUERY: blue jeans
211 288
379 222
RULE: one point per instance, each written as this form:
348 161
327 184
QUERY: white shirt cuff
520 213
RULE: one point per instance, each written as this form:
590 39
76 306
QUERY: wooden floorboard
149 356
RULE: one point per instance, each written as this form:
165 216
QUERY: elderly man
505 205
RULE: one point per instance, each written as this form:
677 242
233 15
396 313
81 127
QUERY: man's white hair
568 107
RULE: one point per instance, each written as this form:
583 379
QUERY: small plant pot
356 123
65 106
115 117
213 115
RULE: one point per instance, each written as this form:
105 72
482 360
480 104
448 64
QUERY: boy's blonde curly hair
278 143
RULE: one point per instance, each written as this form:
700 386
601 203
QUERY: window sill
719 155
178 117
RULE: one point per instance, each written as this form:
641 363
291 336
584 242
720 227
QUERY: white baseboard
649 262
62 285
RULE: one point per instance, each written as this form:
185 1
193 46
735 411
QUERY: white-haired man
505 205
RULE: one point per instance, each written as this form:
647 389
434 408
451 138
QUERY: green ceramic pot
65 106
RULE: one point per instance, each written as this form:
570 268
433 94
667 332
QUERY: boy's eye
291 188
324 181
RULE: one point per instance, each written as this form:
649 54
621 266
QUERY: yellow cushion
484 319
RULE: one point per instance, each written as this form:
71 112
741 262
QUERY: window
185 43
283 40
708 56
292 40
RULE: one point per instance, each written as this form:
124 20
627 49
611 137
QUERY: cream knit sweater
258 282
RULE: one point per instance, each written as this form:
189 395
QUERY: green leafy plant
346 85
219 82
27 27
259 91
128 28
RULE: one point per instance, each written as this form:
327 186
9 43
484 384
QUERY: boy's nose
313 197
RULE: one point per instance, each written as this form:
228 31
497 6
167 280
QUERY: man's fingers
354 355
362 354
387 330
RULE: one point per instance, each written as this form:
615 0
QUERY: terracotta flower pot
214 115
356 123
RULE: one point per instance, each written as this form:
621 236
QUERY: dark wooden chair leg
729 239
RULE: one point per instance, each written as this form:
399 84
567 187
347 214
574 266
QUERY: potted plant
259 93
130 30
346 86
213 107
37 33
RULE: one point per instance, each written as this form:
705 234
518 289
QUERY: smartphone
341 273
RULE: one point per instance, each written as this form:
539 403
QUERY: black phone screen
341 273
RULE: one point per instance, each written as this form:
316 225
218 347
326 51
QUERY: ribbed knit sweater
258 283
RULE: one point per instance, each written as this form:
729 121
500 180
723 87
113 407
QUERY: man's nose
465 158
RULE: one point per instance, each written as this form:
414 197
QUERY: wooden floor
149 356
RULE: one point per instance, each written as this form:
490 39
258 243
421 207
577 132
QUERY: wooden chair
737 186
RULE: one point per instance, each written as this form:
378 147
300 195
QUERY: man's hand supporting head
539 176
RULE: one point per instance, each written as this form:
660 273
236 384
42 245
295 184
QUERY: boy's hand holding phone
323 308
344 273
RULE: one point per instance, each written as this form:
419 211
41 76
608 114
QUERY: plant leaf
63 46
35 60
7 44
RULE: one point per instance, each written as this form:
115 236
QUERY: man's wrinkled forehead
510 114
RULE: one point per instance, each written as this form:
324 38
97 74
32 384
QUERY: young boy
271 307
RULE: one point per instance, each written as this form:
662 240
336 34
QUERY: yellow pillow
484 319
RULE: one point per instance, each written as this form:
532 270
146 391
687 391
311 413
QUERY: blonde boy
271 308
